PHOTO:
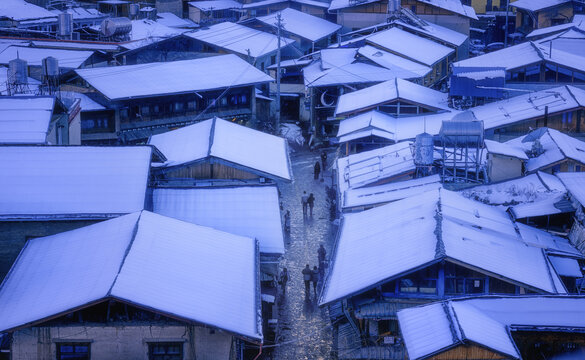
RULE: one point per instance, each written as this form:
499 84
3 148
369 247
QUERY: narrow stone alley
304 331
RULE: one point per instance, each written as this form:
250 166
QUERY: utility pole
506 25
277 118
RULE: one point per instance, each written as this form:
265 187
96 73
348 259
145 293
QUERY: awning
566 266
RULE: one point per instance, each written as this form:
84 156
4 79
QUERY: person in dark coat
287 221
311 202
323 160
315 279
283 279
304 201
321 253
317 170
307 276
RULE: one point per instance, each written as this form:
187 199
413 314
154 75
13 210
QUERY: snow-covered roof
386 126
21 10
574 184
291 63
66 182
304 25
216 5
80 13
145 28
577 23
358 170
173 21
343 4
565 52
337 66
530 188
251 211
495 147
548 206
240 39
33 84
556 147
25 120
381 194
388 91
75 45
69 59
487 321
401 67
455 6
537 5
410 46
87 104
436 31
58 274
187 76
529 106
260 152
433 226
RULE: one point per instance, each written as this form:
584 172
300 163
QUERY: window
72 351
165 351
460 280
423 282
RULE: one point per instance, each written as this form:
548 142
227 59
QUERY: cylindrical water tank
18 71
393 5
423 149
116 26
134 9
65 24
50 66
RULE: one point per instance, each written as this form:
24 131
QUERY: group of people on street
308 202
310 276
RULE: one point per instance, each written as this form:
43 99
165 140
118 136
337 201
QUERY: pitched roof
337 66
388 91
574 183
216 5
537 5
488 321
72 182
239 39
402 68
260 152
410 46
383 125
251 211
433 226
144 80
495 147
21 10
304 25
69 59
25 120
454 6
529 106
556 147
106 261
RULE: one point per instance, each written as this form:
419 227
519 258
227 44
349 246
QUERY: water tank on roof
423 149
393 6
116 26
17 71
50 66
65 24
134 9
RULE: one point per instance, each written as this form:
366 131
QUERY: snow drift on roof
144 80
72 181
251 211
107 260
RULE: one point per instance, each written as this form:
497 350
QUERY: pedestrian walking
287 221
305 202
323 160
283 279
311 202
307 276
321 254
315 279
317 170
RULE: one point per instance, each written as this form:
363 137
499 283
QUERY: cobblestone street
303 326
